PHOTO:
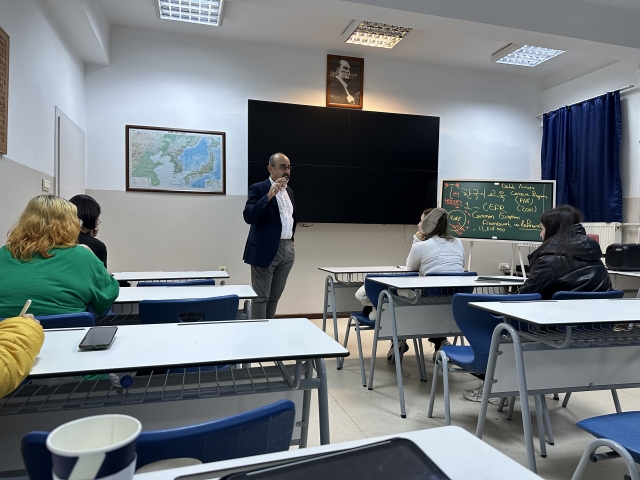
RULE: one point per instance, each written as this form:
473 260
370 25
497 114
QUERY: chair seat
623 428
461 355
363 320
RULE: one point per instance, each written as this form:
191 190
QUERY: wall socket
222 268
46 185
504 267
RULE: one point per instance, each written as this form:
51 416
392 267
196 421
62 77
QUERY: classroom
94 67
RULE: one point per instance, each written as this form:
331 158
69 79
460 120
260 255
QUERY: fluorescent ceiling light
524 55
374 34
207 12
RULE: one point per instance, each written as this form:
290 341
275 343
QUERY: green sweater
65 283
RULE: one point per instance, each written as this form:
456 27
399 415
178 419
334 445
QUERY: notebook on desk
500 279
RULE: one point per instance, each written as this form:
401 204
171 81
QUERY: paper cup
101 447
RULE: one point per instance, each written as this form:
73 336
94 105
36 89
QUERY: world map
175 160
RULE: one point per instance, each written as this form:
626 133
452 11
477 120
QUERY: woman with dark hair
567 260
89 213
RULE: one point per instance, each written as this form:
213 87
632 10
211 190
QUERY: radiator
608 232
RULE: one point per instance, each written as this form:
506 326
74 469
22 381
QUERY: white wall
43 73
488 130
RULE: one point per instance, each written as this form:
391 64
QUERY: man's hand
94 232
276 187
420 235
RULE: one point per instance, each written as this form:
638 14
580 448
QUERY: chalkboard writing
496 209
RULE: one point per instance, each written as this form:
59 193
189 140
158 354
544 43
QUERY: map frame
186 189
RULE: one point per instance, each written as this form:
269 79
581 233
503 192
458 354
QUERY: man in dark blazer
270 210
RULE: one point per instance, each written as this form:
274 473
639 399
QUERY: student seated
567 260
43 262
89 214
21 339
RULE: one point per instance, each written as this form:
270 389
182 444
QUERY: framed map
170 160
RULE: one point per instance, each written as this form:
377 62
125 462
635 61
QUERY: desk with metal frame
169 276
340 288
134 295
149 348
459 454
576 334
422 316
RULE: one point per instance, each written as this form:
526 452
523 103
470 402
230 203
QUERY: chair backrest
177 311
373 289
586 295
186 283
432 292
477 325
594 236
263 430
67 320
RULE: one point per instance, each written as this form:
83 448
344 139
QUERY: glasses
98 222
283 167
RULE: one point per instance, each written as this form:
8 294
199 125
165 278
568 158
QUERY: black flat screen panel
348 166
391 140
307 135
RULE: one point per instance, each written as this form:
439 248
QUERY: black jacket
553 271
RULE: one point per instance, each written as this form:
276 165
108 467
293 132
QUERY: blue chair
266 429
477 326
359 321
618 431
186 283
67 320
585 296
178 311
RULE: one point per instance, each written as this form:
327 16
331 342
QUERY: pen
25 308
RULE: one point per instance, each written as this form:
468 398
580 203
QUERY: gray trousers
269 282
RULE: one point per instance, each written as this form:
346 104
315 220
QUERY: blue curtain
581 151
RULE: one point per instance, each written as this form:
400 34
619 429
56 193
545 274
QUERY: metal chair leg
350 322
512 403
565 402
421 373
547 420
502 402
556 396
422 361
616 400
541 439
364 380
445 384
434 384
616 447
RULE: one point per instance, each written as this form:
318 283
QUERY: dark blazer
264 217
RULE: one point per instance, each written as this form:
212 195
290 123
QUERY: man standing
270 210
338 90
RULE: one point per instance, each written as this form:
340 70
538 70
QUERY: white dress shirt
285 207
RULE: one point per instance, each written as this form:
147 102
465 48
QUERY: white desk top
568 312
137 294
165 345
625 274
445 281
144 276
346 270
460 455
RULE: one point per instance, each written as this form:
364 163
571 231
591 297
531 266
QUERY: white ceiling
462 33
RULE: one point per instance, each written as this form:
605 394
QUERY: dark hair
88 210
558 223
577 214
441 227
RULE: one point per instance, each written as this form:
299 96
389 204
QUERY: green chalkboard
496 209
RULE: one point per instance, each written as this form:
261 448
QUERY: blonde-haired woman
43 262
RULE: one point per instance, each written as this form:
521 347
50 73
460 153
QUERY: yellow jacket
20 342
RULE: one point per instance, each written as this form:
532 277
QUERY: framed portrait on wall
163 159
344 81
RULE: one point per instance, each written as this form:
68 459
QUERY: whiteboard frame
472 239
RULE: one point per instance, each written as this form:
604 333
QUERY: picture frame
161 159
345 79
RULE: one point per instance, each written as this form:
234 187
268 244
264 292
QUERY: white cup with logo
101 447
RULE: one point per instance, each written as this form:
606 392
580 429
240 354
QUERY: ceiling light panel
207 12
377 35
525 55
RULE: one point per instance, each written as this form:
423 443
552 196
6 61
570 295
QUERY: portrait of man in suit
344 81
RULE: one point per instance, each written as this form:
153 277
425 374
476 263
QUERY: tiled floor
356 412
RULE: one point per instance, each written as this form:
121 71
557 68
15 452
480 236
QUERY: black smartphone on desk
98 338
395 458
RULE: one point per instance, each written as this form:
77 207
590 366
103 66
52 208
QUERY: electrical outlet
222 268
46 185
504 267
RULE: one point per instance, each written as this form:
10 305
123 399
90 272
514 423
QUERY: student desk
267 343
427 315
134 295
168 276
340 288
546 335
460 455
